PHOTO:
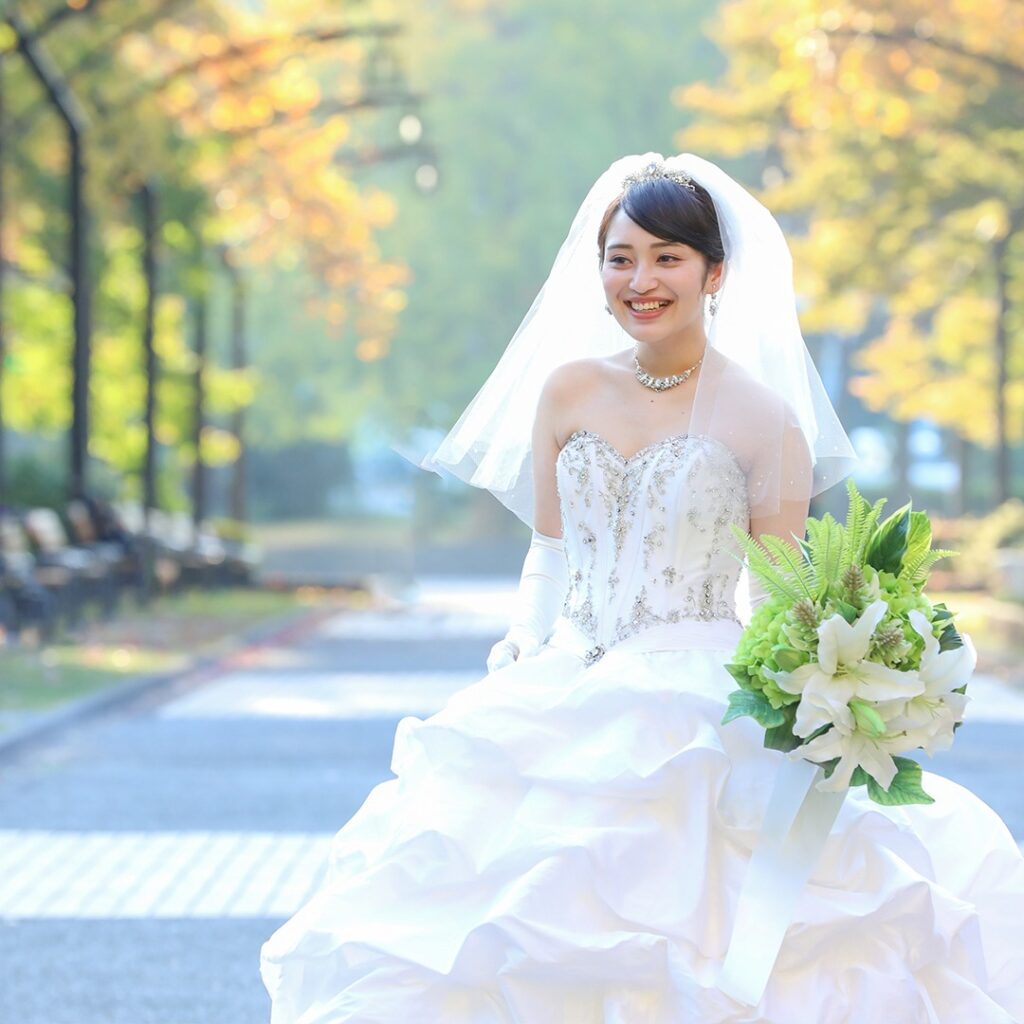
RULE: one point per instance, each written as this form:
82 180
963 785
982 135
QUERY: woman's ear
715 277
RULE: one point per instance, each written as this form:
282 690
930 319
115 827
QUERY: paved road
146 855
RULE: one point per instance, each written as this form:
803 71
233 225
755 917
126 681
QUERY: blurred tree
530 102
891 132
233 118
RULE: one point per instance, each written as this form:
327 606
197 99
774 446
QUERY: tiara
653 172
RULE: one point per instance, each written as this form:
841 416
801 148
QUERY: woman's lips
644 312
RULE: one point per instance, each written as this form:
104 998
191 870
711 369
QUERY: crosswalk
111 875
321 695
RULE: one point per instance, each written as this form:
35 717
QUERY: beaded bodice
647 537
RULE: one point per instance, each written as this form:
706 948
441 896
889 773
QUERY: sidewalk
109 663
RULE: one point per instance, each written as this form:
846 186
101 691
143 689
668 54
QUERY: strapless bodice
647 538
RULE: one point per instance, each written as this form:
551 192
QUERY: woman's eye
617 260
667 256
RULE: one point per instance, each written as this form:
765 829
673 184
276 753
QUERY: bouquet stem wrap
797 823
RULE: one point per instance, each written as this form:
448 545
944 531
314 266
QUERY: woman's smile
646 309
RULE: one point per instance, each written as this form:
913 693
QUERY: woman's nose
643 279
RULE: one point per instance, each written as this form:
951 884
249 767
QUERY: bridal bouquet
847 663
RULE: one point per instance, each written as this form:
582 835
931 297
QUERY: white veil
758 391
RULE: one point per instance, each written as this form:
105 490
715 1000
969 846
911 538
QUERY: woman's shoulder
571 377
749 393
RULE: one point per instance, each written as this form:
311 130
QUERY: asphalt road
145 855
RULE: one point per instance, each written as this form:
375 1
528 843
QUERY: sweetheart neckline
615 451
626 459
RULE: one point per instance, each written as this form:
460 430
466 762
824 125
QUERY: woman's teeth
646 307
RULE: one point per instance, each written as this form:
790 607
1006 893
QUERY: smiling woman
648 280
661 253
566 839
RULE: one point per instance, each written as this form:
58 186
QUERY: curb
282 629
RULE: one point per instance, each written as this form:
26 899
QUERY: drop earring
713 305
608 309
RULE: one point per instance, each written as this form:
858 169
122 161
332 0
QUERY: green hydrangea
756 649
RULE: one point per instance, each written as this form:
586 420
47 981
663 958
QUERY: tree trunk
1002 354
963 491
239 361
1002 375
60 96
199 413
902 491
80 297
3 337
147 200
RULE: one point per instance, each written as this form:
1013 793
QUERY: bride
565 841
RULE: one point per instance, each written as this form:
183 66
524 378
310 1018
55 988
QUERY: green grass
34 680
166 636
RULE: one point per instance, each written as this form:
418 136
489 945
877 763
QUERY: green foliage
828 568
754 704
984 537
35 481
889 543
919 556
905 787
782 737
178 107
778 566
868 131
529 103
826 548
837 570
861 519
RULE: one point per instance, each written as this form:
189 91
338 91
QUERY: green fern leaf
868 530
827 547
763 565
918 571
799 574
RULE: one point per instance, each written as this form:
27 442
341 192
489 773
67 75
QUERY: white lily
842 672
854 748
928 718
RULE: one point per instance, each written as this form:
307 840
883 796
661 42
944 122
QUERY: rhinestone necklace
660 383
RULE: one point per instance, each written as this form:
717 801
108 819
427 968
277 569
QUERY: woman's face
654 288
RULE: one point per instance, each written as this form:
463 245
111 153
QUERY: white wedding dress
565 840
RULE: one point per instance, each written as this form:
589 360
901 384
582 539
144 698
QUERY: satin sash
796 825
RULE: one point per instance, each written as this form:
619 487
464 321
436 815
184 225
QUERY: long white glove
758 594
542 588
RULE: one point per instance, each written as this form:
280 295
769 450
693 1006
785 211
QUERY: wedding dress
565 841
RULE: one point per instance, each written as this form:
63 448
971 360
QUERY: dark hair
670 211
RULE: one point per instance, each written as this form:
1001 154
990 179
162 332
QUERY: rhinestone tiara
655 170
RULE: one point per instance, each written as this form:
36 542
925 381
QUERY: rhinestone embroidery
667 509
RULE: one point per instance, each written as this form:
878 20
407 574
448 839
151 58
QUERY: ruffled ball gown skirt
566 840
565 844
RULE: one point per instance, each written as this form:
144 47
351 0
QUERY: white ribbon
797 823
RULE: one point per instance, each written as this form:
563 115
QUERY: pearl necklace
660 383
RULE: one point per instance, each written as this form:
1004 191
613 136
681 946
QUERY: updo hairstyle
670 211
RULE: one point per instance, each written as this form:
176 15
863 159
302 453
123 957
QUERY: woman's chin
649 333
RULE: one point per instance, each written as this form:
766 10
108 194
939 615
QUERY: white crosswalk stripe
327 695
158 874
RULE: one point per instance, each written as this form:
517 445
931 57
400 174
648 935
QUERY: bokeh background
248 246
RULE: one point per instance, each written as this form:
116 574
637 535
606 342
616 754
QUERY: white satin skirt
565 843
